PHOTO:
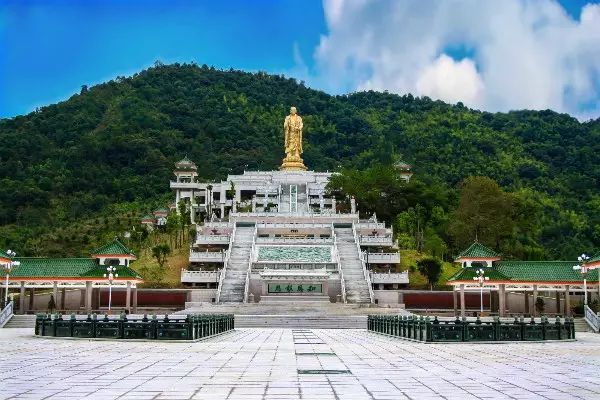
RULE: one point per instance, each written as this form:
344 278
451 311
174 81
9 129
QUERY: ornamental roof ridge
114 247
478 250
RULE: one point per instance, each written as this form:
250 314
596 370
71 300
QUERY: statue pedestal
293 164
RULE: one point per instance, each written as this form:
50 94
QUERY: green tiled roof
528 271
550 271
595 258
3 254
148 216
477 250
467 274
114 247
34 267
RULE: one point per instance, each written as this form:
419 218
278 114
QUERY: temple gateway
273 236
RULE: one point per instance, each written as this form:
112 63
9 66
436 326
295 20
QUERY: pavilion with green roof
554 278
86 274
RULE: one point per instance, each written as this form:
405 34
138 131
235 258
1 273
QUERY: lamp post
581 267
481 279
7 268
110 276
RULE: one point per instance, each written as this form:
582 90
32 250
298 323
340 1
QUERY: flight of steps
302 321
21 321
237 268
581 325
357 289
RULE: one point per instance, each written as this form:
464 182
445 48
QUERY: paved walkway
293 364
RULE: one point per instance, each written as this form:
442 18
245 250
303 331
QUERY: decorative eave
117 255
594 262
477 252
185 164
114 249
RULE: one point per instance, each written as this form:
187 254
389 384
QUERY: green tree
160 253
431 269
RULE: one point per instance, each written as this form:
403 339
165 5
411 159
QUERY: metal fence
190 327
424 329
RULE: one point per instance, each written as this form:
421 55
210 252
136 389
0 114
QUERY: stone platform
296 364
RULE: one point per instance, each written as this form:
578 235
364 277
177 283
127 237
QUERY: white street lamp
7 268
110 276
481 279
583 259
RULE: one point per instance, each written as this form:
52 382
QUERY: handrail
224 271
6 313
364 266
592 319
339 266
249 271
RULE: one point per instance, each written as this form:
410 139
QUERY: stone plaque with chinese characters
296 288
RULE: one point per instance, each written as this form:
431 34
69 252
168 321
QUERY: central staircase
232 290
357 289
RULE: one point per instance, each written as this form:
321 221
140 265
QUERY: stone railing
184 185
329 267
291 225
212 239
249 270
382 258
427 330
370 225
366 240
207 256
190 327
364 266
224 270
592 319
338 265
290 240
400 277
7 313
199 276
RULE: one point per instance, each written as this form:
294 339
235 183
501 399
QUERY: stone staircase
581 325
237 268
21 321
302 321
357 289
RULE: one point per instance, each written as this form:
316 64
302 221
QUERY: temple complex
273 236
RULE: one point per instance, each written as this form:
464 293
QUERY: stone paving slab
296 364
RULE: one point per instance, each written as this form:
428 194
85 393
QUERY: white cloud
452 81
523 54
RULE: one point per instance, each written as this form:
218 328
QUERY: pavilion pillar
462 299
55 293
128 298
502 300
88 296
535 295
557 298
135 301
63 294
567 301
526 309
31 298
455 301
333 205
222 210
353 205
22 298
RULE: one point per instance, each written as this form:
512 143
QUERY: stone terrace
296 364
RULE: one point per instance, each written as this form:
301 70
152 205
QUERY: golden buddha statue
292 128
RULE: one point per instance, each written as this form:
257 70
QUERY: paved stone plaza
293 364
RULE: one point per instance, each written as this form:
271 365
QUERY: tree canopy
113 145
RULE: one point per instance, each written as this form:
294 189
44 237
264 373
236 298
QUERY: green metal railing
424 329
190 327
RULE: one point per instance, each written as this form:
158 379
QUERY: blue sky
48 49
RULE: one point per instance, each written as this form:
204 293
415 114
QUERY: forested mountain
68 164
